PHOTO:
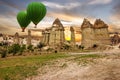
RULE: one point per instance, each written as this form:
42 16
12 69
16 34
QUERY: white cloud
92 2
62 6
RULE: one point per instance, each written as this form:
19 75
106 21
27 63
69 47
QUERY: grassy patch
85 59
19 68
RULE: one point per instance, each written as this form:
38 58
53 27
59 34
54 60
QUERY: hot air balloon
36 12
23 20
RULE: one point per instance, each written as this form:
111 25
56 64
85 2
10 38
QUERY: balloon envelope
23 20
36 12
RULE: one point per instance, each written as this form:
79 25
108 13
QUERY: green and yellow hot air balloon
36 12
23 20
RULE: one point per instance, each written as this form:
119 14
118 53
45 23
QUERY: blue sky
70 12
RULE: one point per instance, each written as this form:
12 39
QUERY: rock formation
94 35
44 37
72 41
16 38
57 37
29 38
115 39
87 34
47 36
101 33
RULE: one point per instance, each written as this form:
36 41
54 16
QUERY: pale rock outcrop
44 37
29 38
101 33
87 34
47 36
72 41
57 36
16 38
94 35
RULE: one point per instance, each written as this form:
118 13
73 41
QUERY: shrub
22 49
3 52
15 48
81 47
67 46
95 45
30 47
40 45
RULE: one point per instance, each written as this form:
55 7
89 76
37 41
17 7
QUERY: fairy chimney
46 36
16 38
29 38
57 37
87 34
96 34
101 33
72 36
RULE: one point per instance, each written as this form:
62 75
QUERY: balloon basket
23 29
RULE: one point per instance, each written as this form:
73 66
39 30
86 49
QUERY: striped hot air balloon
36 12
23 20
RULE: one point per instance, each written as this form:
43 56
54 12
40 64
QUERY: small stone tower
57 37
87 34
16 38
72 41
29 38
44 37
47 35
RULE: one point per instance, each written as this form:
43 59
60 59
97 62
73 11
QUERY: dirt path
107 68
113 51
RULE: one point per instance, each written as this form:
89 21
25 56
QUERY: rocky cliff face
96 34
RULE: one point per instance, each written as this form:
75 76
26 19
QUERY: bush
95 46
15 48
22 49
1 44
81 47
3 52
30 47
40 45
67 46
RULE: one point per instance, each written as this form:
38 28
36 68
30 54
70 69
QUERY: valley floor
99 65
